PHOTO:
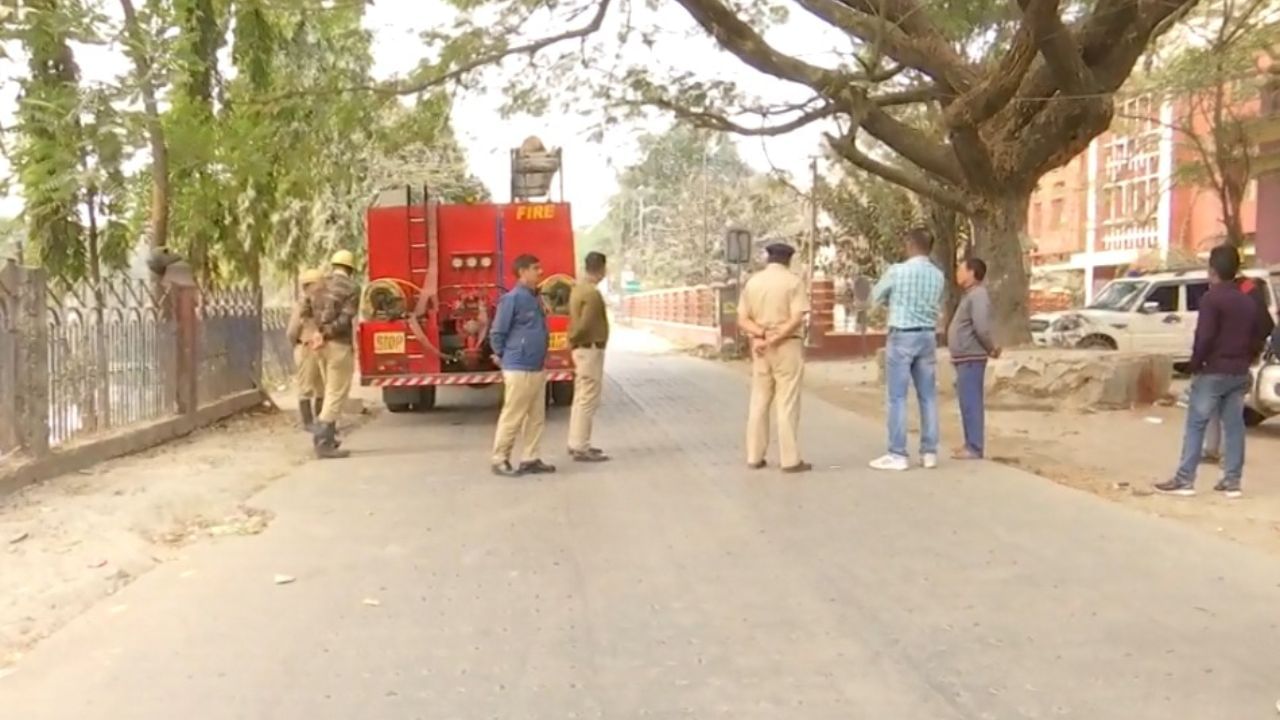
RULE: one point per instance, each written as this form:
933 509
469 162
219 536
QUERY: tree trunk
943 225
999 230
155 128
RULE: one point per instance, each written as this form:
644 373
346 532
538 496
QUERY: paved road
673 583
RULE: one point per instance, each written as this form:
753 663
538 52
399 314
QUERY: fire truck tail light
473 261
457 263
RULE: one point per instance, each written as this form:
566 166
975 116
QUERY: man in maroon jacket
1226 343
1263 326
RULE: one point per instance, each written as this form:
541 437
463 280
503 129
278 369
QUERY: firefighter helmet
343 258
310 276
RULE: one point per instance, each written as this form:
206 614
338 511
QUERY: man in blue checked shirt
913 291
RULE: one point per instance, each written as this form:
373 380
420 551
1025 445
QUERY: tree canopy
967 104
234 139
670 214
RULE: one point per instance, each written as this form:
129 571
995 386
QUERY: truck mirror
737 246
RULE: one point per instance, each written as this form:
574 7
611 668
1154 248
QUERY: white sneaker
890 462
929 461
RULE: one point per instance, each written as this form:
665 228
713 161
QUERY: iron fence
8 375
78 360
277 351
230 342
110 357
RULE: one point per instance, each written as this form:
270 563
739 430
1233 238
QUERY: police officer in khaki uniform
771 312
334 305
308 378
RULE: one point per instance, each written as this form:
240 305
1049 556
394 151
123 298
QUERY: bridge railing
707 315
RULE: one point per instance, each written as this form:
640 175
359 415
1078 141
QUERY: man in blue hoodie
519 341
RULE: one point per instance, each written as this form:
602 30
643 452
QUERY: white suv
1152 313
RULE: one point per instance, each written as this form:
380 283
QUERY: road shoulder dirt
1113 454
68 542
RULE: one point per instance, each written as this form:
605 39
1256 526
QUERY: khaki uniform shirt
772 297
302 325
334 304
588 319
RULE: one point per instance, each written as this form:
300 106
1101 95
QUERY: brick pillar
187 356
28 373
822 309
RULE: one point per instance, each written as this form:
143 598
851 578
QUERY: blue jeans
969 391
1221 395
911 357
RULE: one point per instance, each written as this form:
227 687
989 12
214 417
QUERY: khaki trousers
588 383
775 381
339 363
524 412
308 378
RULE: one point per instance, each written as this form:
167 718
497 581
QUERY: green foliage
668 220
272 159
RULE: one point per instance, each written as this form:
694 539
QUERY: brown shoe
965 454
758 465
800 467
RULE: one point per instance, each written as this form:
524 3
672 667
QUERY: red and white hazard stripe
487 378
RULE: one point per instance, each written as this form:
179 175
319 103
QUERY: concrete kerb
24 471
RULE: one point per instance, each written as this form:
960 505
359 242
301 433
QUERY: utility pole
706 227
813 216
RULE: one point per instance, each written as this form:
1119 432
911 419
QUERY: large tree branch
908 96
739 38
436 76
847 148
997 89
720 123
1057 45
929 54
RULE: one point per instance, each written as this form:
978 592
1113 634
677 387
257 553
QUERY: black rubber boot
304 412
327 447
318 404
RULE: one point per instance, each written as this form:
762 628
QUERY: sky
590 169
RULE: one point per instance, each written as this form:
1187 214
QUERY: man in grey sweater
970 341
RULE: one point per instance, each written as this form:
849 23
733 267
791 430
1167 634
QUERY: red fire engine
436 272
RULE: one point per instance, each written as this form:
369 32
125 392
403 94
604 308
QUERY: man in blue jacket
519 341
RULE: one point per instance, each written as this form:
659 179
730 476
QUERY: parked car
1155 312
1264 398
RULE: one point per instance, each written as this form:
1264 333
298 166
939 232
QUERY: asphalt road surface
673 583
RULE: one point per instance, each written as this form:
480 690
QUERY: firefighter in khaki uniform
771 312
308 379
588 335
334 305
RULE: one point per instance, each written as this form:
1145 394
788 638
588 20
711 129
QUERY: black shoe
1175 487
504 469
327 444
800 467
305 415
536 467
1228 491
590 455
757 465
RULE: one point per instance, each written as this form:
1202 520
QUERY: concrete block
1076 379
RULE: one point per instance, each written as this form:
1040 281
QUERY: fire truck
436 271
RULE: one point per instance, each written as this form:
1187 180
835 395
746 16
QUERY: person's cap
779 251
311 275
343 258
171 268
